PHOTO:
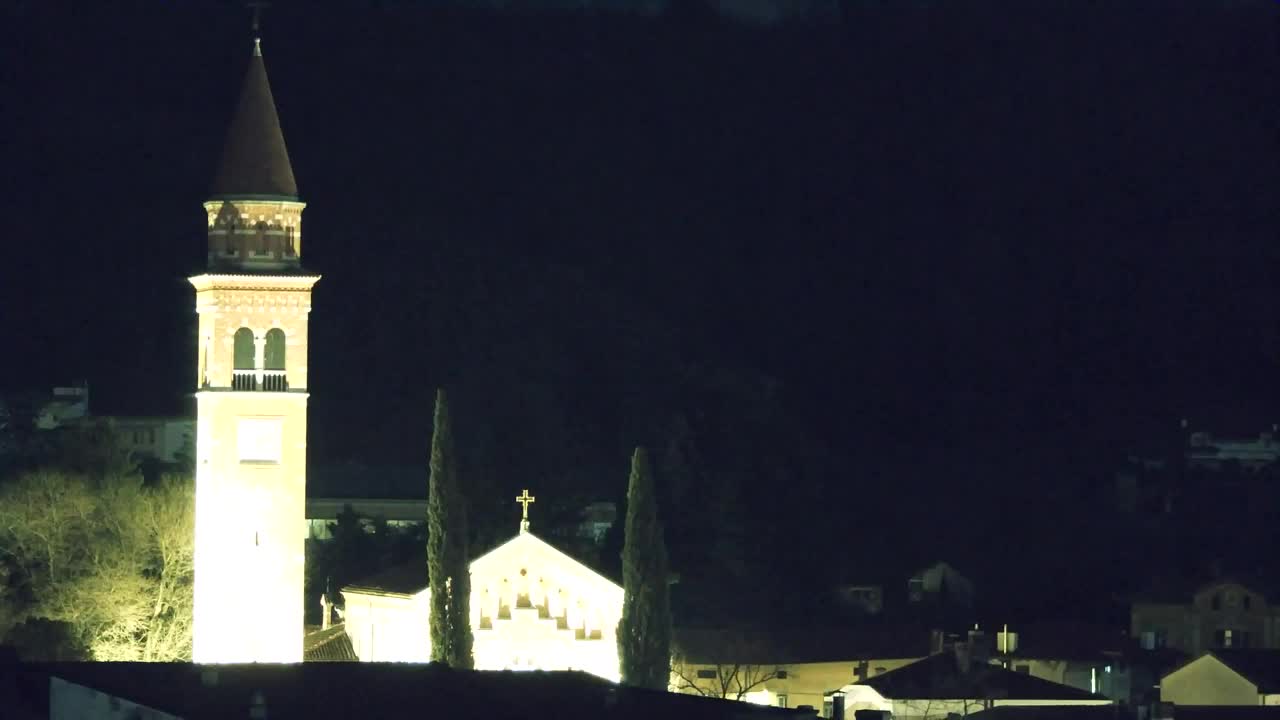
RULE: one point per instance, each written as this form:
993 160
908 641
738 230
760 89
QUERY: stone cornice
219 281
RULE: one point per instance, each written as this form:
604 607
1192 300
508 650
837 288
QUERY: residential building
1085 656
940 583
951 683
322 512
790 667
1221 615
1205 450
165 439
1225 677
65 405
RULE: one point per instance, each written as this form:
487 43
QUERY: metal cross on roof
524 499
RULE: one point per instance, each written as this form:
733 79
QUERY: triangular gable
1224 662
410 579
536 550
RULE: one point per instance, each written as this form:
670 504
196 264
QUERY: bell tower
251 396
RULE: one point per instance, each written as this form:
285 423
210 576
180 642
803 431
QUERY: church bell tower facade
251 397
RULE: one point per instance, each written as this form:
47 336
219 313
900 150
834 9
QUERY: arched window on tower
274 378
242 376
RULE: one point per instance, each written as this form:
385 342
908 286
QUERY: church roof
255 162
411 578
329 645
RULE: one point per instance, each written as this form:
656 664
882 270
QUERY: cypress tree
447 561
644 634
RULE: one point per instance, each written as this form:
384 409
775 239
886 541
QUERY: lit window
260 440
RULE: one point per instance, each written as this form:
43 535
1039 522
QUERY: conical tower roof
255 162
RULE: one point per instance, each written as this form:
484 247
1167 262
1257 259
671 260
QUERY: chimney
837 705
964 659
978 649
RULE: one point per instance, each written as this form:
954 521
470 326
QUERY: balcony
259 380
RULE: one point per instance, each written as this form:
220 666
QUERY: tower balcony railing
264 380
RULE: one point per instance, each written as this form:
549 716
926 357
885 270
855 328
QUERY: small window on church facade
706 674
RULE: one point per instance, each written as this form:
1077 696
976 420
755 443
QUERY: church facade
532 608
251 395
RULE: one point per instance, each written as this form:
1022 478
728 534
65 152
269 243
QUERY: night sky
963 254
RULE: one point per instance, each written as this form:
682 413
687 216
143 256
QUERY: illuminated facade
251 398
532 608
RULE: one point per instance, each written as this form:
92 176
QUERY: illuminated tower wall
251 398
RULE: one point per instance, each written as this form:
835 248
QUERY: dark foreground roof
940 677
309 691
1226 712
1054 712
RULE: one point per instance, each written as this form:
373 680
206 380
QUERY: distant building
66 405
166 439
940 583
789 667
597 519
1085 656
397 513
1225 677
1221 615
951 683
866 599
1204 450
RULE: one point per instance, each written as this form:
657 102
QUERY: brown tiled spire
255 162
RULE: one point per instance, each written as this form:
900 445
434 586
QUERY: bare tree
110 558
728 668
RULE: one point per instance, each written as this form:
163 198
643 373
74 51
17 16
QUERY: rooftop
371 690
255 162
940 677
